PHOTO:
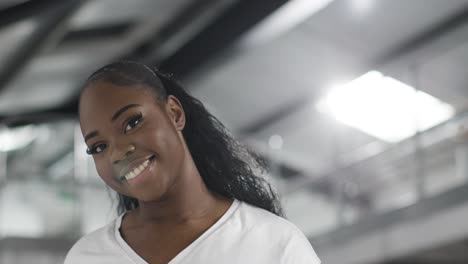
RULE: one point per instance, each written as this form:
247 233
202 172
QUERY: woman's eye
132 122
96 149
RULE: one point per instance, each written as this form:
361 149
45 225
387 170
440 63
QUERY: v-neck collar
139 260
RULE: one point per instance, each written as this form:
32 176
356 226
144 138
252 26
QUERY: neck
187 200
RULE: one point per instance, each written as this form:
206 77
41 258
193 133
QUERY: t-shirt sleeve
298 250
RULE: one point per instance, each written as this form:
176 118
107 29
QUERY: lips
135 167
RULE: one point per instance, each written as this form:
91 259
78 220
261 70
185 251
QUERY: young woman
189 193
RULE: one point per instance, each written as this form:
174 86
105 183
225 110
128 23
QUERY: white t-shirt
244 234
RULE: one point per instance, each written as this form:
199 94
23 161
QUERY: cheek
169 143
157 138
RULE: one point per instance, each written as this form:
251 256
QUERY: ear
176 112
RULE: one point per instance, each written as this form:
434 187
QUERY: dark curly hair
226 166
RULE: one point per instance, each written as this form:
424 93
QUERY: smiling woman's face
136 142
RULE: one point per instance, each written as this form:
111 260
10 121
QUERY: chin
153 196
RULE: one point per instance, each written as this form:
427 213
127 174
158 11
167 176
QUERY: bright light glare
384 107
275 142
362 6
11 139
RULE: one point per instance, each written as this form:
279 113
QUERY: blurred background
359 106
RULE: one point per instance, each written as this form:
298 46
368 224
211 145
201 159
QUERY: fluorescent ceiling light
291 14
362 6
275 142
384 107
12 139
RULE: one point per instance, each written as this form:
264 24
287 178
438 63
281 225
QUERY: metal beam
423 208
186 23
68 110
420 40
105 31
219 35
273 117
51 29
147 39
216 36
25 10
398 233
432 137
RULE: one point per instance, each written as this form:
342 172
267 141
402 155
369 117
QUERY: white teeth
137 170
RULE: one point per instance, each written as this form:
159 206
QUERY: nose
121 152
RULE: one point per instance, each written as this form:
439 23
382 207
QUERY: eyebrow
114 117
90 135
122 110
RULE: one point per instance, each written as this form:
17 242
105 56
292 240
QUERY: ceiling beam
25 10
186 23
218 35
457 20
448 210
271 118
100 32
52 26
205 45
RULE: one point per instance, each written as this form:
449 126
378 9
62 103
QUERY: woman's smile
137 170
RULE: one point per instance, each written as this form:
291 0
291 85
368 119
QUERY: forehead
99 101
